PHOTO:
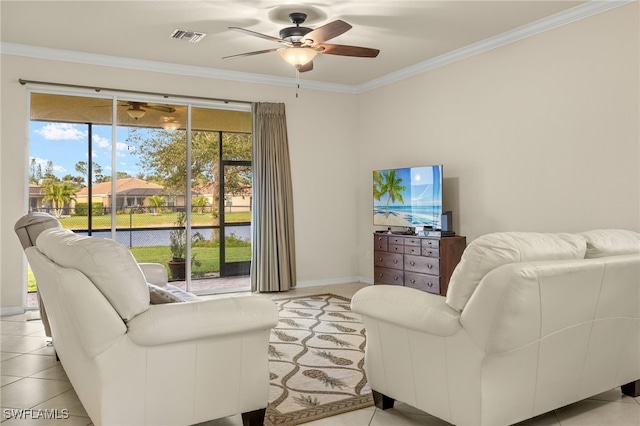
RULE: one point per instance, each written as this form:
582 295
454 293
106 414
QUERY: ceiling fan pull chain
297 81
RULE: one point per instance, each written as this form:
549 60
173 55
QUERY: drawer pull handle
429 253
430 284
430 266
412 263
395 278
395 261
379 259
413 281
380 275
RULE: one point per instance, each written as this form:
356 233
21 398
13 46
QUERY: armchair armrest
408 308
154 273
179 322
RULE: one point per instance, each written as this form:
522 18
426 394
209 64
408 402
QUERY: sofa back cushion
490 251
611 242
108 264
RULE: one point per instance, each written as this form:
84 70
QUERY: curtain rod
98 89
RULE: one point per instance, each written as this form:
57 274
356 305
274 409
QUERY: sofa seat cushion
611 242
108 264
490 251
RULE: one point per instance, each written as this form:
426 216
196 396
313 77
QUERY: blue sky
65 144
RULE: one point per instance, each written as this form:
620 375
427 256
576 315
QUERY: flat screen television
408 197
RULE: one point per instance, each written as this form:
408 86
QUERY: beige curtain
273 261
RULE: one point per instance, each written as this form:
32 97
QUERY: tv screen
408 197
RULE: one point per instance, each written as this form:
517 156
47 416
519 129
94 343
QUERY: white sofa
531 322
136 363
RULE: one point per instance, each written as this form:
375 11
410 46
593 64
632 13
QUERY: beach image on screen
407 197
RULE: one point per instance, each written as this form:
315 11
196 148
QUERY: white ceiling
408 33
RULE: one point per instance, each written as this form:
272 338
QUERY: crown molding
574 14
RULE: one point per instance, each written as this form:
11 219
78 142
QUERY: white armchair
133 363
528 325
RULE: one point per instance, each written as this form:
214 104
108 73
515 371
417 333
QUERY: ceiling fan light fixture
298 55
136 112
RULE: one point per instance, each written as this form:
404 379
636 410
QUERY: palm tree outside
58 194
156 202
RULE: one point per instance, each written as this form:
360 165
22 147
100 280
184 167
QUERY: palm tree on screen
390 185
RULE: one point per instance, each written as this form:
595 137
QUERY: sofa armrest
407 307
154 273
179 322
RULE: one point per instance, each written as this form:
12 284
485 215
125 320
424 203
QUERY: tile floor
33 379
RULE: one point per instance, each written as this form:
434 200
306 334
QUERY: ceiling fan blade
163 108
327 32
306 67
257 52
343 50
264 36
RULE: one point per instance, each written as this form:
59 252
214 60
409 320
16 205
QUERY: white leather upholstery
492 250
132 363
534 335
109 265
611 242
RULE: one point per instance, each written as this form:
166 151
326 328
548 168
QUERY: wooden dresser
425 263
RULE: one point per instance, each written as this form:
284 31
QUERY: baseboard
11 310
333 281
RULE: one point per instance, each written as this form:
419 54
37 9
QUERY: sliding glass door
170 180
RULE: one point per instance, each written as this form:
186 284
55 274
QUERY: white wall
321 134
538 135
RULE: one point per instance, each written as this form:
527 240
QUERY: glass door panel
236 215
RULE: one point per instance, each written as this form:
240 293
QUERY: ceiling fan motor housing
294 34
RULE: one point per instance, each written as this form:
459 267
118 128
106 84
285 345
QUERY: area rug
316 361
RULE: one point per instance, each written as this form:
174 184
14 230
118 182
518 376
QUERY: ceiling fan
302 44
136 109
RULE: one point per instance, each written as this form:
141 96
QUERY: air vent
192 36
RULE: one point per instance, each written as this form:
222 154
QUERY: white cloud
101 142
62 131
121 146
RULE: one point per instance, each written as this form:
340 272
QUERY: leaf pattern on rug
336 360
341 327
306 401
339 315
273 376
325 378
292 323
344 306
333 339
303 303
274 353
284 336
301 313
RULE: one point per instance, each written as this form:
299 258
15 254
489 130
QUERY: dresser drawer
380 242
412 250
424 282
430 252
429 265
396 240
387 260
388 276
409 241
395 248
429 243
